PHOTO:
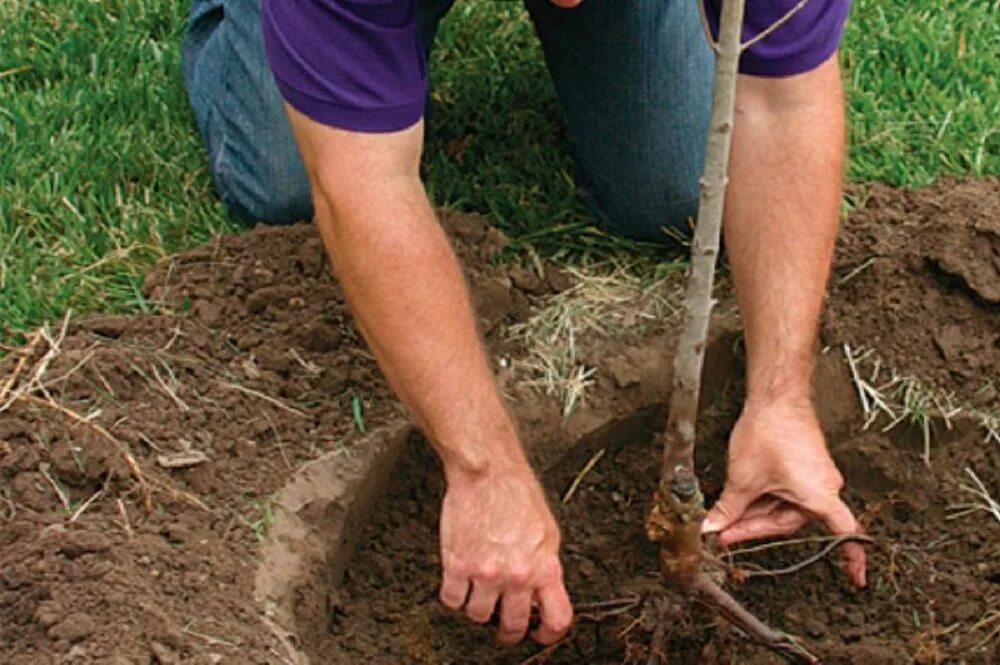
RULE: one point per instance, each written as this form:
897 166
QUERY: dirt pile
917 277
251 368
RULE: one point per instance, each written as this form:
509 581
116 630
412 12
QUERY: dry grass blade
267 398
588 467
984 501
603 303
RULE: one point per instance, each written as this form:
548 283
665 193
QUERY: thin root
830 546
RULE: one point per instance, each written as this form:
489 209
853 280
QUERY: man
634 79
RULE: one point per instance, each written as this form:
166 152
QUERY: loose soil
917 277
252 367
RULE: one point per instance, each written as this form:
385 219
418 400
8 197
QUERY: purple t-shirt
359 64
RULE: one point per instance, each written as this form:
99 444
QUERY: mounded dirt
917 277
252 368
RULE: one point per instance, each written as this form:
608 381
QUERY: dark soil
917 277
930 579
252 363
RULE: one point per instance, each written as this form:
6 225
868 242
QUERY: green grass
101 170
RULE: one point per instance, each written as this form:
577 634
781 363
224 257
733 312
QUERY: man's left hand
781 477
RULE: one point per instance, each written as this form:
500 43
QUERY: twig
764 34
832 545
267 398
857 271
705 27
588 467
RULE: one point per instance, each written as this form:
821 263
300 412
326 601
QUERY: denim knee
659 214
267 195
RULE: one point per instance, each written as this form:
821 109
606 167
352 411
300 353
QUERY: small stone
49 613
75 653
163 654
73 628
84 542
814 628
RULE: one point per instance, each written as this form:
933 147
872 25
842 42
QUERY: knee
272 190
656 211
271 207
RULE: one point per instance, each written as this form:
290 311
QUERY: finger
780 522
729 508
555 612
482 601
515 612
454 590
839 519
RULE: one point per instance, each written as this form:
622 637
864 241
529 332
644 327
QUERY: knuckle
518 575
488 572
550 569
455 565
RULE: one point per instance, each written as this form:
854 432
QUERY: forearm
781 221
408 296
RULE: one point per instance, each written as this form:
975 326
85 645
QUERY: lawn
101 171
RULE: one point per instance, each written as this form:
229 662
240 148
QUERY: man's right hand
500 544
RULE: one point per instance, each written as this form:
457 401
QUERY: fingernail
710 526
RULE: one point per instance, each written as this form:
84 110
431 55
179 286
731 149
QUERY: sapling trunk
678 506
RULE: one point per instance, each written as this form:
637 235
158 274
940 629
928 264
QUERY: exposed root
830 546
783 644
656 647
546 653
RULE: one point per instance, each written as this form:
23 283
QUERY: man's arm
499 541
780 225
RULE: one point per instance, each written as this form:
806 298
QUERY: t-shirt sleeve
353 64
801 44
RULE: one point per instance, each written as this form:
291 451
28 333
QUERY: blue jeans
633 78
